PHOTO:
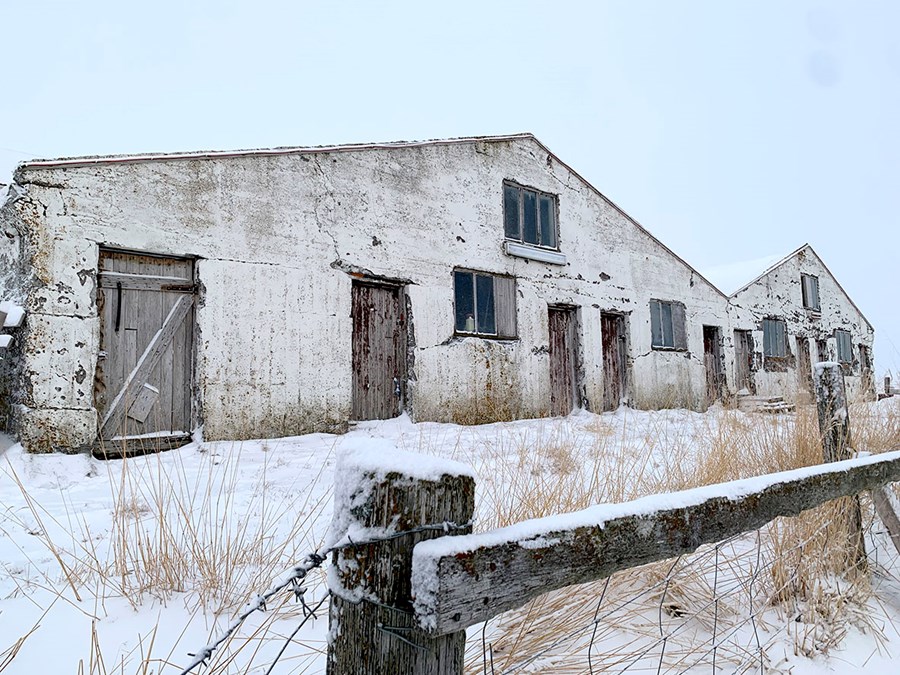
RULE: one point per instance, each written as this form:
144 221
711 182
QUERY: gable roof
809 249
269 152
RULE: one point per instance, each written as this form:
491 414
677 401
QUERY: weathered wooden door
712 358
379 351
821 350
562 360
804 365
743 360
145 366
612 332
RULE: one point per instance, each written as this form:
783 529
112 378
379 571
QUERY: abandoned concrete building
276 292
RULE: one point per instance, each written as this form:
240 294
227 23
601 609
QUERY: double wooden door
144 374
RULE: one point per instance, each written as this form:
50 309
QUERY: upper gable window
810 286
529 216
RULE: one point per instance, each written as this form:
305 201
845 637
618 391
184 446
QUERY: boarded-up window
667 325
844 346
484 304
529 216
810 285
774 338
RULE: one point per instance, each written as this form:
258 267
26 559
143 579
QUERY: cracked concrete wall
779 294
277 238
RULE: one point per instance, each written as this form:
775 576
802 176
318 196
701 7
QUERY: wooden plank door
379 351
712 358
743 360
562 360
612 332
145 366
821 350
804 365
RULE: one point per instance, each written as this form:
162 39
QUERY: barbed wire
293 579
719 637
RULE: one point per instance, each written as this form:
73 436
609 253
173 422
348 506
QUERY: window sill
657 348
480 336
529 252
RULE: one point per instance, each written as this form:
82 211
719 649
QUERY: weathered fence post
372 628
834 426
887 385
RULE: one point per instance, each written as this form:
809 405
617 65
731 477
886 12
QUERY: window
485 304
529 216
667 325
844 346
810 286
774 338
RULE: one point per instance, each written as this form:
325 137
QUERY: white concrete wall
779 294
275 237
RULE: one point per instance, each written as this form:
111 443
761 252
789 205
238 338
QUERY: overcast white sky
731 130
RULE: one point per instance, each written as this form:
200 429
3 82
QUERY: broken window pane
484 304
465 302
511 211
548 224
529 217
485 322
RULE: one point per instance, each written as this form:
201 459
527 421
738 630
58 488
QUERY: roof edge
90 160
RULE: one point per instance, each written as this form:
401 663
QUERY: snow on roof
731 277
257 152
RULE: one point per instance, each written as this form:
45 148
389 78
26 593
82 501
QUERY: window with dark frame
667 325
774 338
529 216
810 289
844 346
484 304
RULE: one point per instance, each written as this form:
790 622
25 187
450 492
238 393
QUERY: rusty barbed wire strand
292 579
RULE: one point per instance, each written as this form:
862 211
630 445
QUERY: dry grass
178 531
214 534
799 566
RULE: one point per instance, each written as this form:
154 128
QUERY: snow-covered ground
106 565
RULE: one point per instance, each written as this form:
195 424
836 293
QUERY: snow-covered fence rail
405 607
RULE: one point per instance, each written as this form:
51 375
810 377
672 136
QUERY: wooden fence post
372 627
834 426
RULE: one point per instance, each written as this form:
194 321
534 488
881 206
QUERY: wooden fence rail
453 582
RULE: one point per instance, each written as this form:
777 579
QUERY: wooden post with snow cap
372 627
834 426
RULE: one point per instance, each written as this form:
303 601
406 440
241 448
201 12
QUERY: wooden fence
402 606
